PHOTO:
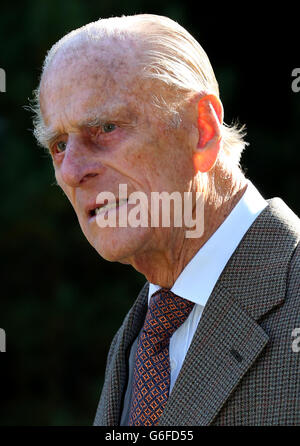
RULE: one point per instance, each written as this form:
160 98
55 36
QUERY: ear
210 118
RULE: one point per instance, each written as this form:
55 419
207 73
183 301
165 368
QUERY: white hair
168 53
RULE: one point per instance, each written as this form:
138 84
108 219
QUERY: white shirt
198 279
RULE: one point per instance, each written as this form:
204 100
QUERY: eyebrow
96 119
47 135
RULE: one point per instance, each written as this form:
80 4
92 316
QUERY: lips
96 208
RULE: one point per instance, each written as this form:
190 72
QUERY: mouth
98 209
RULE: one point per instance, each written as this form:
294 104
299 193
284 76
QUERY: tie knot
166 313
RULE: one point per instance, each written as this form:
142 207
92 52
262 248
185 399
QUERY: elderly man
133 101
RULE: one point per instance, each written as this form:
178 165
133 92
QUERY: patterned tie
151 380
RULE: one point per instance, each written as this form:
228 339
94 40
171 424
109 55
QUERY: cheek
60 181
68 191
146 169
135 160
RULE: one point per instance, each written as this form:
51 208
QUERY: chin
120 244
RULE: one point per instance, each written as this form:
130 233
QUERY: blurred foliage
60 302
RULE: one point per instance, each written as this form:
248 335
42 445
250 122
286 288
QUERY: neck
163 265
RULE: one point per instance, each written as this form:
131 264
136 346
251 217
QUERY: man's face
108 132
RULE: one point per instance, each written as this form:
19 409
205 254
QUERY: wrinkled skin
141 150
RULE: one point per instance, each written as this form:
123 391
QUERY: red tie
151 379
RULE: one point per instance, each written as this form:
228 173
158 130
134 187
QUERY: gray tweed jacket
240 368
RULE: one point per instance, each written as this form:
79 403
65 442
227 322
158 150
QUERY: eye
61 146
109 127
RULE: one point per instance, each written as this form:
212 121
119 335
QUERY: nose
79 163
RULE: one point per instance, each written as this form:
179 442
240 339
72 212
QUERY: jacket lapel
110 405
228 339
226 344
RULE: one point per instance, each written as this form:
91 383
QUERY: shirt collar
200 275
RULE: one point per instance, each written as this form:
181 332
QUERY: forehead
87 78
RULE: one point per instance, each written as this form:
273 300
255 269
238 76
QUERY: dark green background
60 302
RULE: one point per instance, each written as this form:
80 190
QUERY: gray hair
170 54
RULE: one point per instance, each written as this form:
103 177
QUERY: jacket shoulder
293 282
